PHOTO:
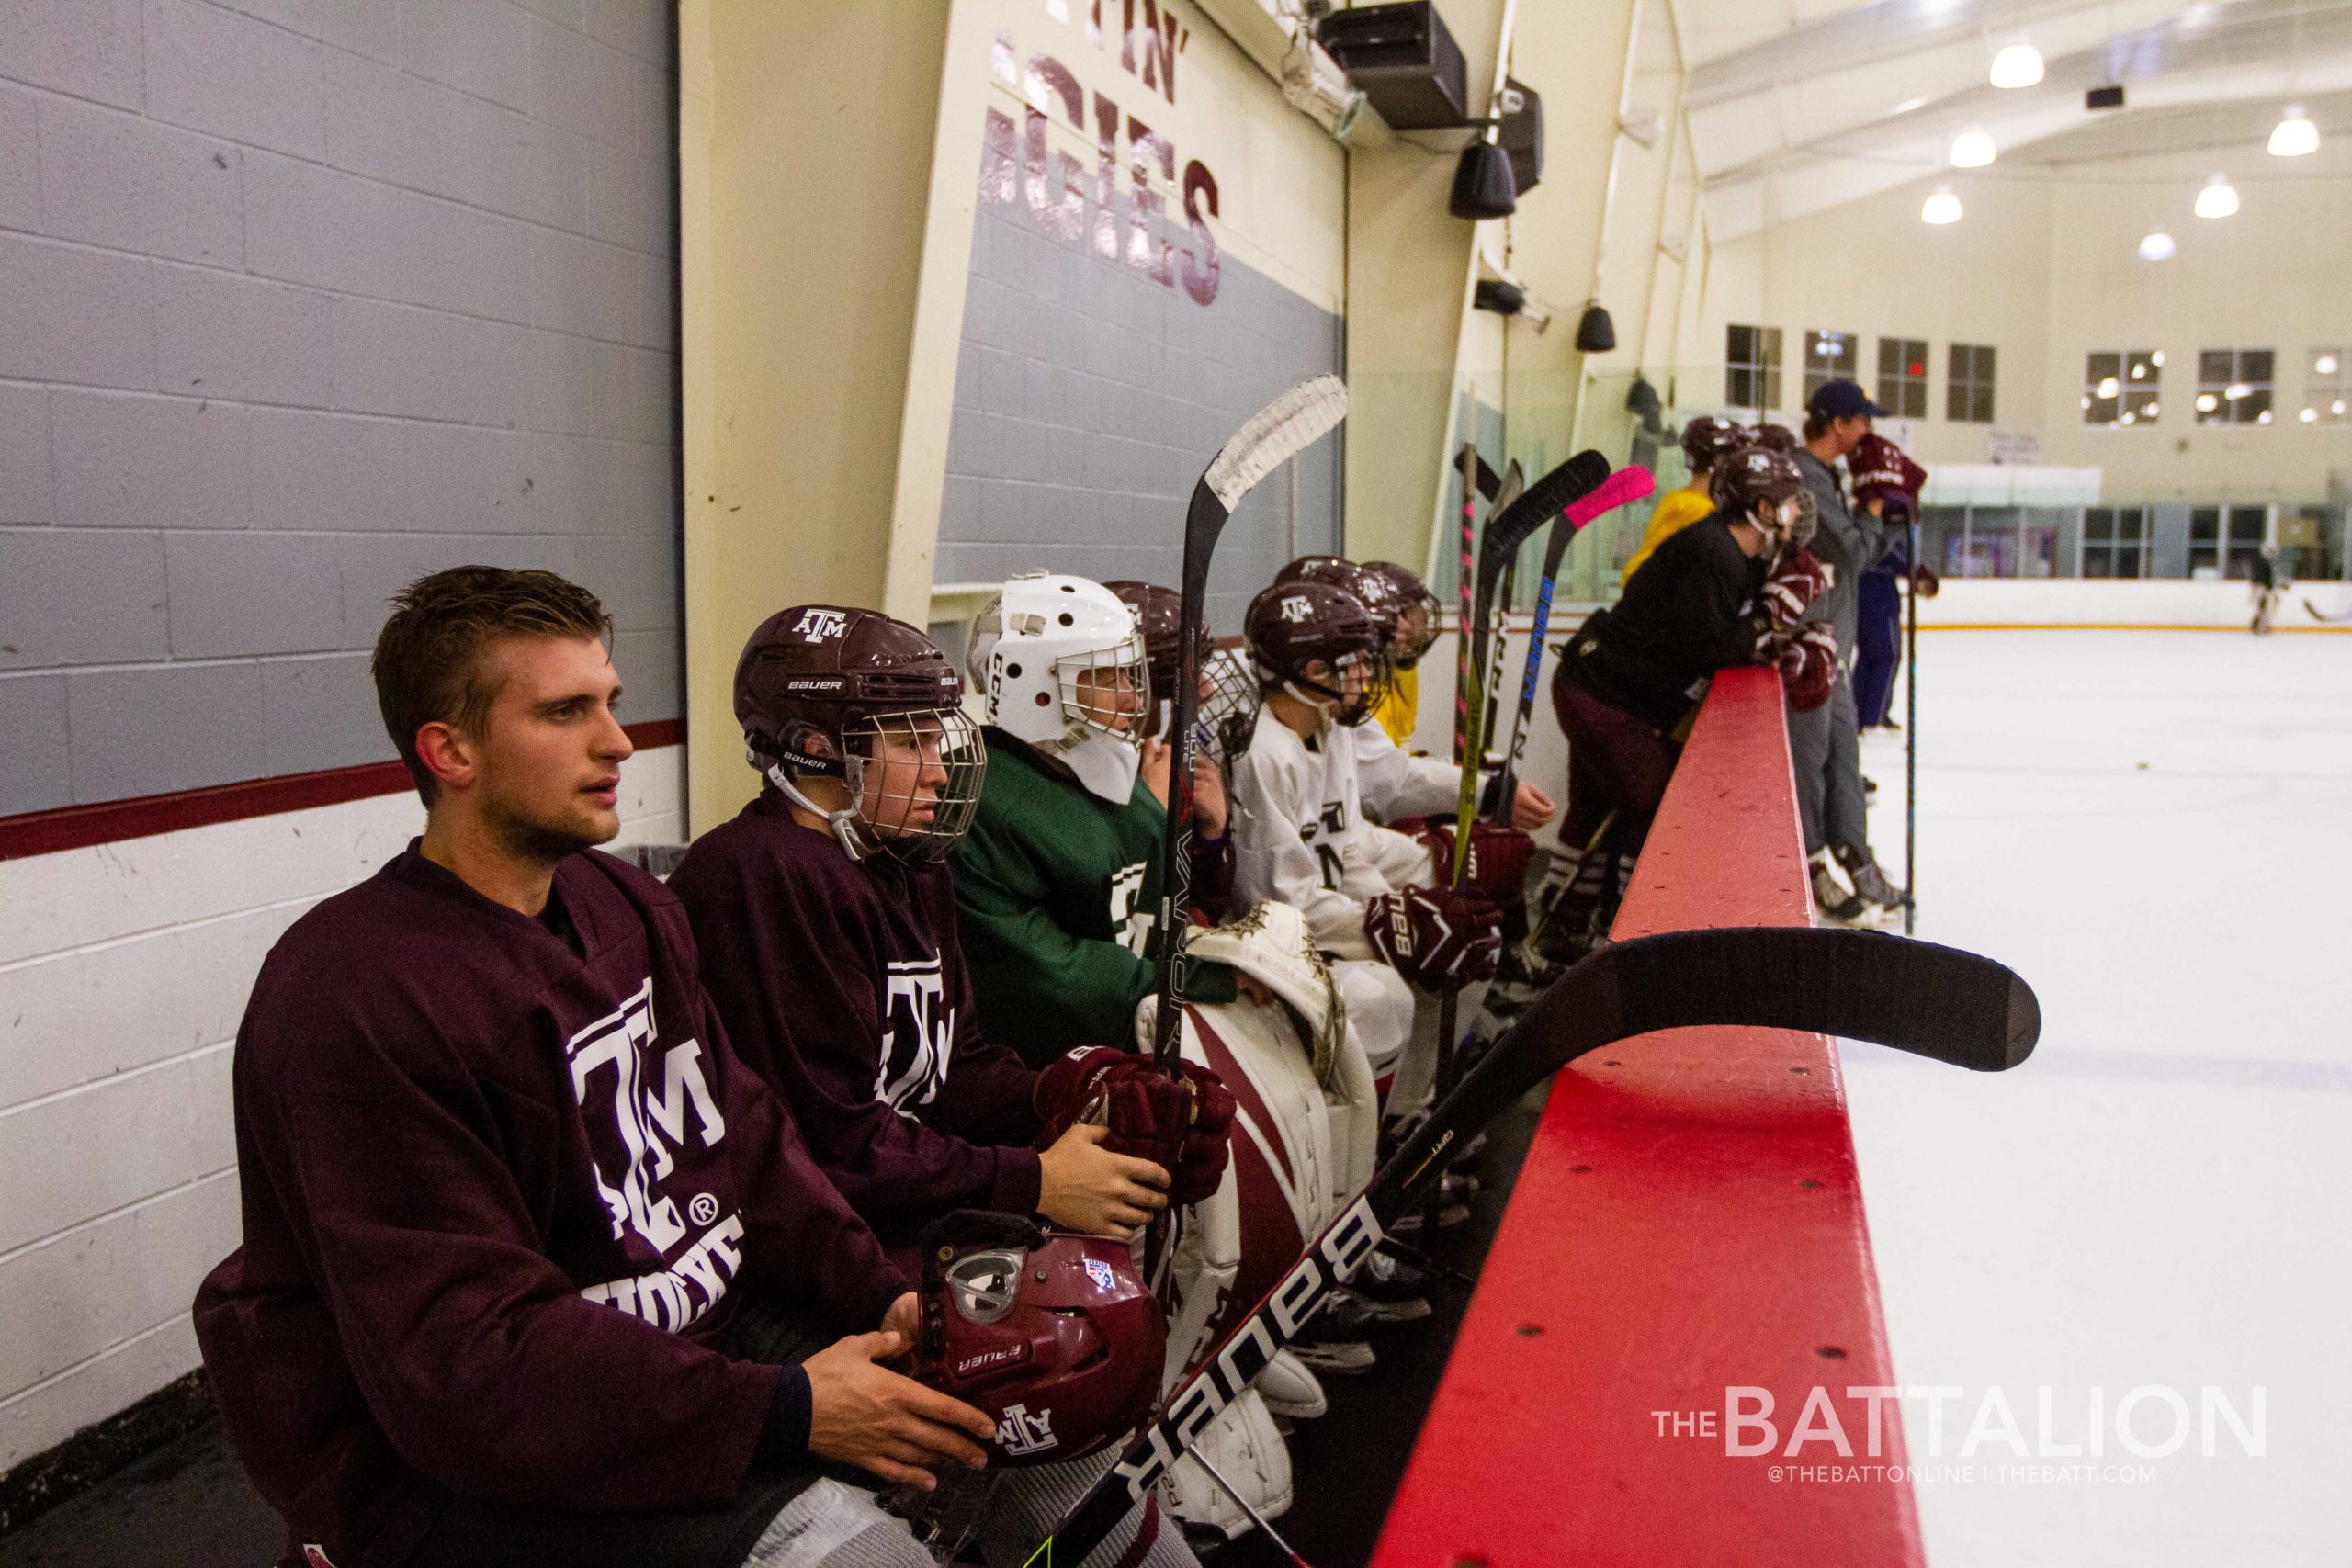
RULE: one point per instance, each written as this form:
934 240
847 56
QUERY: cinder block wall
298 299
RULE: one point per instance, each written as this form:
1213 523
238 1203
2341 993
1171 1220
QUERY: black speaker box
1404 60
1522 136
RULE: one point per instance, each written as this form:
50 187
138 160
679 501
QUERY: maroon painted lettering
1106 177
998 160
1059 201
1200 264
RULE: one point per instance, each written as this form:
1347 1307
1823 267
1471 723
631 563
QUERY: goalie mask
859 718
1317 642
1225 711
1061 660
1053 1335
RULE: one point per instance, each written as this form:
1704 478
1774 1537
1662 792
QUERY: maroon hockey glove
1881 468
1436 937
1809 666
1180 1127
1499 856
1795 580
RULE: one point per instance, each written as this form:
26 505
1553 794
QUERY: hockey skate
1831 897
1882 901
1290 1390
1333 1340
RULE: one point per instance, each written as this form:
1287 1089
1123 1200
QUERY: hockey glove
1180 1127
1499 857
1881 468
1437 937
1795 580
1809 666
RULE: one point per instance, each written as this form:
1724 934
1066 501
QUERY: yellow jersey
1399 709
1676 510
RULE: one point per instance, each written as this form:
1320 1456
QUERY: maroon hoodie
498 1197
843 983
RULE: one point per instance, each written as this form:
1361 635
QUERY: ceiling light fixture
1940 208
2294 136
2324 364
2156 245
1973 149
2218 199
2018 65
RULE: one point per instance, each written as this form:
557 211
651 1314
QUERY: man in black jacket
1634 674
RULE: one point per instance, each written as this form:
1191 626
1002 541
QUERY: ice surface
2155 829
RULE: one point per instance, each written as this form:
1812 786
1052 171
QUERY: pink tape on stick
1623 488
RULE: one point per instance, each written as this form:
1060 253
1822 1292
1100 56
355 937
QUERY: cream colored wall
2045 268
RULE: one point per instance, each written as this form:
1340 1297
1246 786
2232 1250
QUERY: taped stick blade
1512 484
1281 430
1623 488
1545 498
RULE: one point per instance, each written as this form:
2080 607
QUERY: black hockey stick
1623 488
1276 433
1933 1001
1911 730
2330 620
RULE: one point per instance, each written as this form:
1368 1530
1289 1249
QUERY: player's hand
905 1317
1530 808
1084 1187
870 1416
1155 769
1208 798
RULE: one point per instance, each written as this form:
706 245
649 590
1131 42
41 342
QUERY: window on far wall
1968 383
1752 362
2327 387
2121 386
1828 357
2234 385
1903 375
2224 541
2115 541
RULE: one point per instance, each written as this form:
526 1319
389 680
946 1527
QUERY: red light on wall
1917 368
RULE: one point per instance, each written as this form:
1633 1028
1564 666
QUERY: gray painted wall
300 299
1088 400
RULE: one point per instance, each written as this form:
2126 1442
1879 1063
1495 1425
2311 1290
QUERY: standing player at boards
829 933
1057 878
534 1270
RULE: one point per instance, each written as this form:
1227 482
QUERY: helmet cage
881 759
1229 712
1107 690
1332 698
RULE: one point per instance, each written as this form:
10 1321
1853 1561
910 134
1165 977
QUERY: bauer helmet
1759 487
1225 711
1706 440
1054 1335
1061 661
1295 628
1417 620
1776 438
871 707
1372 590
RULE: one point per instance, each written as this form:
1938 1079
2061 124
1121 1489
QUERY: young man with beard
827 922
534 1270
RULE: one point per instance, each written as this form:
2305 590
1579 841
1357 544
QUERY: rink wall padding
1687 1223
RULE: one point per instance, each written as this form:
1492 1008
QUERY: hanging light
2218 199
2156 245
1942 207
1973 149
2018 65
2294 135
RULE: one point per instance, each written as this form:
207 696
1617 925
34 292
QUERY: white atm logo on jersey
637 1124
918 1032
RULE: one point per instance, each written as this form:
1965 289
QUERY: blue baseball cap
1843 400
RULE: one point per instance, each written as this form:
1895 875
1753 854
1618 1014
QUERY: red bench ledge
1688 1221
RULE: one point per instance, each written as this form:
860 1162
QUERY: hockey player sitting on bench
827 923
534 1270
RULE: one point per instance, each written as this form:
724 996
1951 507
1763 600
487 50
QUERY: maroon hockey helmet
1374 590
1757 479
871 704
1709 437
1293 627
1227 710
1418 619
1053 1335
1776 438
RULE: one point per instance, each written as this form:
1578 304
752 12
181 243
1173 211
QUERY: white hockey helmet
1060 663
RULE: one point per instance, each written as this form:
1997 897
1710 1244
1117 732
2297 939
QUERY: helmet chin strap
848 832
1327 708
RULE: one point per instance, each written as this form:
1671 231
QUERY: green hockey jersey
1057 895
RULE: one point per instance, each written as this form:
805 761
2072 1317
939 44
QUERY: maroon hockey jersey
498 1196
843 983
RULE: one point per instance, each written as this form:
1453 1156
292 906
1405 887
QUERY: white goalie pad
1248 1452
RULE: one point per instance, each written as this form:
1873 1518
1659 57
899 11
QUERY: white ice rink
2155 829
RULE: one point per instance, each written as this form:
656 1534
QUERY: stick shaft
1911 737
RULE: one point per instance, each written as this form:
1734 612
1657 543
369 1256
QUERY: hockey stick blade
1490 483
1623 488
2331 620
1547 498
1508 489
1938 1002
1283 429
